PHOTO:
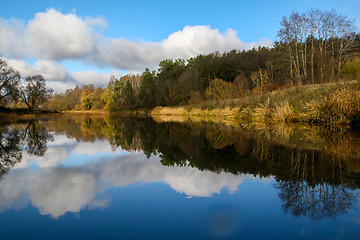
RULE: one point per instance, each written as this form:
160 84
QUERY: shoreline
327 104
331 104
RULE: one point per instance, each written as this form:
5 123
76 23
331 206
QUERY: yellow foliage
218 89
352 69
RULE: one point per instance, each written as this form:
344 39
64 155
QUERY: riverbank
329 104
77 112
7 114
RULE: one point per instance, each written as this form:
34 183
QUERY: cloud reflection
56 188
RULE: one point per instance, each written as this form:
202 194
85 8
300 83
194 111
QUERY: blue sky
81 42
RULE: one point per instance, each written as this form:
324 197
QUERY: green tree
147 93
129 96
169 73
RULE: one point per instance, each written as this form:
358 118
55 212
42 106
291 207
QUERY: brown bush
271 87
196 98
344 105
240 85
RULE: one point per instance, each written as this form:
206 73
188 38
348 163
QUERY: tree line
313 47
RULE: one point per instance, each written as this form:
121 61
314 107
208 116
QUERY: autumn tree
260 78
240 85
352 69
57 103
218 89
107 97
72 98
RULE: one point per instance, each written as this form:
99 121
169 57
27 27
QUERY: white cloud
58 77
186 43
60 192
62 148
60 86
12 38
51 70
193 40
56 187
22 66
52 35
91 77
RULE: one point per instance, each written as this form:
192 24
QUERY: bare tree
286 36
9 81
34 92
330 36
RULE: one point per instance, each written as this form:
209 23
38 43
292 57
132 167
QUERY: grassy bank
75 112
331 104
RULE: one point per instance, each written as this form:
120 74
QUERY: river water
134 178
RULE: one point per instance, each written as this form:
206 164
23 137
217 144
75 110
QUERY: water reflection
316 171
316 201
61 189
30 136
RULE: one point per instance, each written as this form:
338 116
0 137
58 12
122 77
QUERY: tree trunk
312 60
297 64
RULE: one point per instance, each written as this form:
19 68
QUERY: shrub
352 69
196 98
284 112
343 106
218 89
240 85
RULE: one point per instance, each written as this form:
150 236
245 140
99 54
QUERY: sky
73 42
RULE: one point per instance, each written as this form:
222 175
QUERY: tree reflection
10 148
323 200
35 137
317 187
316 171
14 138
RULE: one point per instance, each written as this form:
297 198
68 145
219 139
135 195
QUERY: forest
315 47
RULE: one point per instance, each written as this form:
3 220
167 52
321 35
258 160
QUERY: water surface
133 178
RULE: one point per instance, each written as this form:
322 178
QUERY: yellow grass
332 104
168 111
225 116
86 112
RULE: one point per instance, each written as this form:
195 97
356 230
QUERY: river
99 177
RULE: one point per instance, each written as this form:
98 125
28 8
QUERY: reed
331 104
